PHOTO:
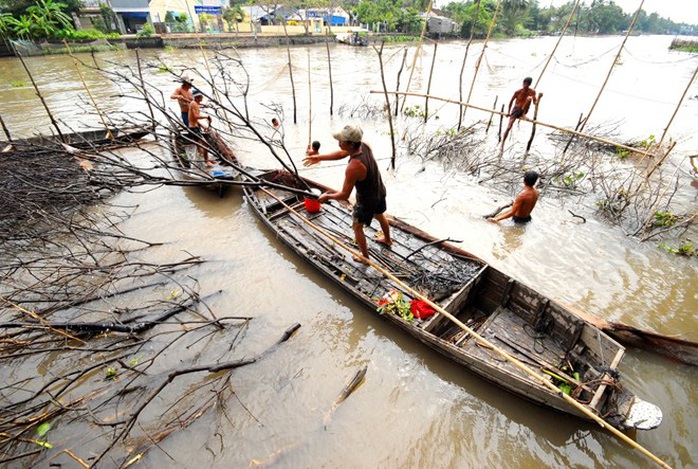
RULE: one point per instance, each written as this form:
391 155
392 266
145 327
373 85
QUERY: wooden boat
353 39
89 139
194 169
503 314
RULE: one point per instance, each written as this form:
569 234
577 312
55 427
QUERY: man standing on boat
362 172
195 128
523 204
184 97
522 100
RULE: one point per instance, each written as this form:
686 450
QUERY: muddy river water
415 409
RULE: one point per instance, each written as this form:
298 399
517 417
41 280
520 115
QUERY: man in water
195 128
313 149
523 204
522 100
362 172
184 97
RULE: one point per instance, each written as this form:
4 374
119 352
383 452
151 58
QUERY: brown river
415 409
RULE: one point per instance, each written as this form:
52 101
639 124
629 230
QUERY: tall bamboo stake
387 104
310 105
489 122
419 49
399 73
145 94
215 88
482 54
87 89
666 129
533 127
38 93
562 129
290 73
465 57
431 74
329 70
542 379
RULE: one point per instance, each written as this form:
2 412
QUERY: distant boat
357 38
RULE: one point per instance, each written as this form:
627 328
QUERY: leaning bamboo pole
431 74
329 71
683 96
310 106
419 49
613 64
559 39
41 98
387 104
482 54
465 58
544 124
542 379
87 89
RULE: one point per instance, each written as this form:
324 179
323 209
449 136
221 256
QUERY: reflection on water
415 409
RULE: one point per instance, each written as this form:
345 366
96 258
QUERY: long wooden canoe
578 358
193 168
89 139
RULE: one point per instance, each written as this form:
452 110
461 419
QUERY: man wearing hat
194 120
362 172
183 95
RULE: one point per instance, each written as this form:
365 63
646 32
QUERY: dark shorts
185 118
195 133
521 220
364 215
516 113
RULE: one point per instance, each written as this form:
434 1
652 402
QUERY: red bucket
312 205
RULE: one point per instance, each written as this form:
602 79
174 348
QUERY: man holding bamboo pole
521 100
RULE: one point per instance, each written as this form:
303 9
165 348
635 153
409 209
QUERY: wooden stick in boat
544 124
544 380
87 89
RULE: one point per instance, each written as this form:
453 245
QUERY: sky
679 11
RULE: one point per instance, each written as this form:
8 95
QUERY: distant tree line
515 17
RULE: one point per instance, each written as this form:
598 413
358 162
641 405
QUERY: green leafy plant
110 373
415 111
685 248
17 84
648 142
147 31
622 153
664 219
394 303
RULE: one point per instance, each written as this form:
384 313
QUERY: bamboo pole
613 64
87 89
329 70
41 98
419 49
399 73
465 57
559 39
562 129
290 73
533 127
215 88
431 74
387 104
495 348
482 54
666 129
145 94
310 106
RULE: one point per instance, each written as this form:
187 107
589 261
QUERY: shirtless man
522 99
522 207
195 128
362 172
313 149
183 95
